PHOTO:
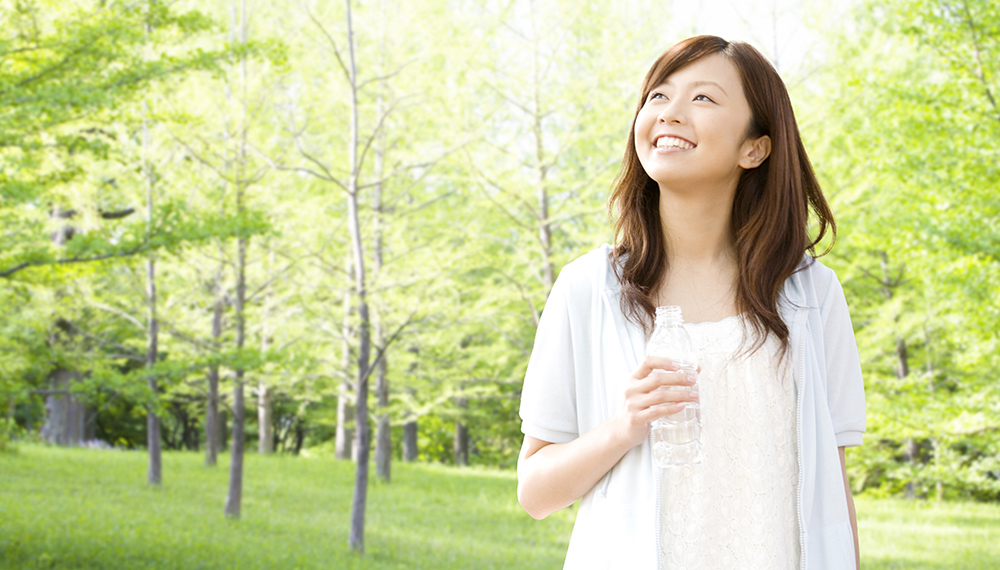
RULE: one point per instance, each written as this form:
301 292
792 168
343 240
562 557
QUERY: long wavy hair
770 216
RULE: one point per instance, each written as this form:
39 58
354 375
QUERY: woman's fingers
658 388
660 396
660 378
651 363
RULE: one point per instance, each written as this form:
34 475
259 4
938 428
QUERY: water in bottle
676 439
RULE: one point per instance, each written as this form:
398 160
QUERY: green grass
75 508
928 534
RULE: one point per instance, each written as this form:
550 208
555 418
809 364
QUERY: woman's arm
850 506
553 475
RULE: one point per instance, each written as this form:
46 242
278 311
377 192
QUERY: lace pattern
737 509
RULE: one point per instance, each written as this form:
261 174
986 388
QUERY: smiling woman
712 202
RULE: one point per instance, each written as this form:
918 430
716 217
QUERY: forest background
223 221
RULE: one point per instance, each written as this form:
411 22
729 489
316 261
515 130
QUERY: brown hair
770 215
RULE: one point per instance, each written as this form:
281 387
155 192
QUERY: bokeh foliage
478 114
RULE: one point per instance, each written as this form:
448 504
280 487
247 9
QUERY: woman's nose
671 113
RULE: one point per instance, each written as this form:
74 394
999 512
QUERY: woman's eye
657 96
704 98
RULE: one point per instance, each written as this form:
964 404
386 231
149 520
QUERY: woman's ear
754 152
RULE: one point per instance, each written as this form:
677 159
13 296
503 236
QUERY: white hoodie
585 349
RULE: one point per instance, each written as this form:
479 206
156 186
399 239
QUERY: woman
712 205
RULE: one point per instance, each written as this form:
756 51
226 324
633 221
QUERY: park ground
83 508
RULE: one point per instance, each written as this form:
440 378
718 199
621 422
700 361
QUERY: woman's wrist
623 435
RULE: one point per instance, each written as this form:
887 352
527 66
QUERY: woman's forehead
714 69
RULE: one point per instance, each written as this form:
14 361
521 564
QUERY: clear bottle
676 439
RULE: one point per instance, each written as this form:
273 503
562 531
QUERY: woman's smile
669 143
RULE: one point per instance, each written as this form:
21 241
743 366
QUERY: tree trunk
356 539
89 424
214 429
410 452
234 498
155 476
410 441
223 430
461 436
383 436
383 447
542 167
383 439
265 429
344 443
345 435
902 360
910 452
265 396
64 414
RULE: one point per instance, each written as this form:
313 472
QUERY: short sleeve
548 397
845 386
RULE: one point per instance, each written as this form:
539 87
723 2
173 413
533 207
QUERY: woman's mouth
667 142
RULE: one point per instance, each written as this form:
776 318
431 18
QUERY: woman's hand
648 397
552 475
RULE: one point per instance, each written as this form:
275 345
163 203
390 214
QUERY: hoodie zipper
798 437
606 481
656 524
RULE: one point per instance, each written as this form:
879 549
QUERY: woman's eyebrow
700 84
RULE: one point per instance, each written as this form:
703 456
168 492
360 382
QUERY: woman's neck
701 274
696 228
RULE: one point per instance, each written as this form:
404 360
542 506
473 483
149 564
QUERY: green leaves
911 152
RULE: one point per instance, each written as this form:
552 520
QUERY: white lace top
737 509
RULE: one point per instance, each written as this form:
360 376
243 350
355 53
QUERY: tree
906 156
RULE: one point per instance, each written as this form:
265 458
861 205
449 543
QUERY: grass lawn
928 534
76 508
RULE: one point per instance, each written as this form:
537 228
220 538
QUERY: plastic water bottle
676 438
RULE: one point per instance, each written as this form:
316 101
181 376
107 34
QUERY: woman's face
690 133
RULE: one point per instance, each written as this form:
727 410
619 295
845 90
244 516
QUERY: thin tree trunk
410 451
383 436
214 430
235 497
265 428
155 476
902 360
356 539
410 441
461 444
383 442
343 444
153 420
265 403
544 223
223 430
